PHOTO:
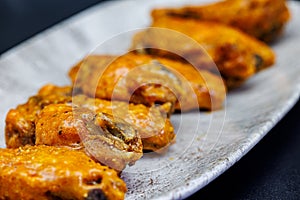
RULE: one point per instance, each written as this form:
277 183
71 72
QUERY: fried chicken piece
153 124
148 80
135 79
236 55
107 138
20 122
263 19
43 172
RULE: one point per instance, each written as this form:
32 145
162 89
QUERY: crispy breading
44 172
153 124
236 55
123 78
263 19
20 122
127 78
106 138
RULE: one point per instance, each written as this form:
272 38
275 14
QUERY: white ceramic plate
208 143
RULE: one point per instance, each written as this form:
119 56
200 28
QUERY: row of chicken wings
72 142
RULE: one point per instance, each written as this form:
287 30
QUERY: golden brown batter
148 80
107 138
152 123
237 55
263 19
47 173
20 122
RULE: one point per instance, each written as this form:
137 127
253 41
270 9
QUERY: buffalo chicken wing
148 80
45 173
151 123
236 55
106 138
263 19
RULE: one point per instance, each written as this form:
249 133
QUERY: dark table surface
271 170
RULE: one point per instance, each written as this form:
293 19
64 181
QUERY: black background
271 170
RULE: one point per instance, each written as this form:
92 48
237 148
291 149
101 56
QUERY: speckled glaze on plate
207 143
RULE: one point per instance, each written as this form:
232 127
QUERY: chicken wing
152 124
106 138
237 55
127 78
43 172
20 122
263 19
148 80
